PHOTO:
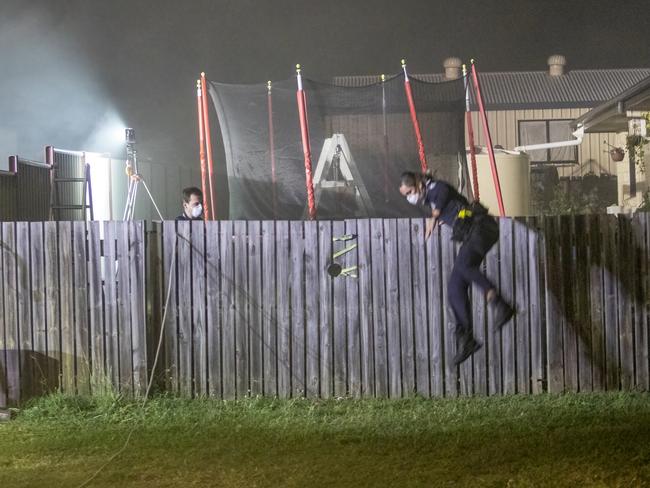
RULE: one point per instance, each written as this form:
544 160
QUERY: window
542 131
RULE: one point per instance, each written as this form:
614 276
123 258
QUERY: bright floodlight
107 135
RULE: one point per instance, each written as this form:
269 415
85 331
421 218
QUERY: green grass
570 440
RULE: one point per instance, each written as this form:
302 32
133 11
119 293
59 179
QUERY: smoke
48 92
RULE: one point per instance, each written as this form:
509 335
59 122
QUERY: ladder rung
70 207
70 180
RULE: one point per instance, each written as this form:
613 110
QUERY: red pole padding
472 155
304 130
199 102
272 148
416 125
208 141
488 139
470 133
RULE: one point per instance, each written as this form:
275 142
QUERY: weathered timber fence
254 312
72 308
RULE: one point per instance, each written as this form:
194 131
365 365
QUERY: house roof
611 116
537 89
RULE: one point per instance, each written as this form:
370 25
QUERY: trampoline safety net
361 138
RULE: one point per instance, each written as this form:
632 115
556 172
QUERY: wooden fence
254 312
72 308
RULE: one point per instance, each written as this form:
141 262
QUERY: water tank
514 176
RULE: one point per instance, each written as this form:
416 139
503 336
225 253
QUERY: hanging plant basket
617 154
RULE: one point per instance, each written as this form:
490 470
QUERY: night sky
71 68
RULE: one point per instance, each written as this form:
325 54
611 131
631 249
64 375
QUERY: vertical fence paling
81 305
213 314
325 329
11 365
436 321
339 324
253 310
354 362
137 276
38 302
4 376
96 302
297 297
366 322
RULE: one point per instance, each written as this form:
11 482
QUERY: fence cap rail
15 160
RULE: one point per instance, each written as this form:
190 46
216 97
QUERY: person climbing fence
478 232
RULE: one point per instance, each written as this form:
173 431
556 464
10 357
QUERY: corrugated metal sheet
537 89
25 191
607 116
33 198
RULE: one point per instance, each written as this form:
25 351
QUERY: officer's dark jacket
443 197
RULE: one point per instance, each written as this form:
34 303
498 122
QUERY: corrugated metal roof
611 115
537 89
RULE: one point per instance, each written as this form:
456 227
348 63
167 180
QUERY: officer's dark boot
503 312
466 344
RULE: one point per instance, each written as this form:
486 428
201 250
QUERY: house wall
592 155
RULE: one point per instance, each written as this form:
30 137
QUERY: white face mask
197 211
413 198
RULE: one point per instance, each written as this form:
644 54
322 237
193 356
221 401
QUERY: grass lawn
570 440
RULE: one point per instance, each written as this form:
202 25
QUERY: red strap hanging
199 103
488 139
414 119
304 131
472 156
470 134
208 142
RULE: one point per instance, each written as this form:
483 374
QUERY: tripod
134 178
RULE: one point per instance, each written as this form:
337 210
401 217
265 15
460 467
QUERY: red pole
470 133
414 119
488 139
304 131
472 156
269 98
208 142
199 104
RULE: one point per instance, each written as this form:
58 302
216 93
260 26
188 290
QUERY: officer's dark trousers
467 271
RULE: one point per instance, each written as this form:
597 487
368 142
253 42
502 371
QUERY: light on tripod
129 135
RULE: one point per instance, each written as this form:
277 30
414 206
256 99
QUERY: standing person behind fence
478 231
192 204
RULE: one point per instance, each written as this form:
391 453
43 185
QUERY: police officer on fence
478 232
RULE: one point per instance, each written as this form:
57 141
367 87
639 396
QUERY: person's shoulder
430 184
182 217
444 184
438 186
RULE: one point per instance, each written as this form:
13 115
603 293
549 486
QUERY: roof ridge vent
556 64
452 68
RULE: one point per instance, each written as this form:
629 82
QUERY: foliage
645 203
584 196
635 145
